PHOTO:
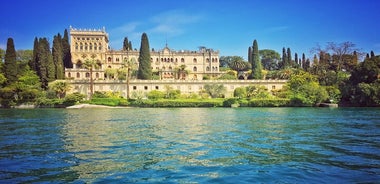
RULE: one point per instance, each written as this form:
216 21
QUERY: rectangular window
273 87
134 87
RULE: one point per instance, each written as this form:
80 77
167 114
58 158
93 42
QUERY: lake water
190 145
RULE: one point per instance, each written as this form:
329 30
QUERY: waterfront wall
185 86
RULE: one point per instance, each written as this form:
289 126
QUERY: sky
229 26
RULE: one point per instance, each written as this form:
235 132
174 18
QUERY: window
146 87
182 60
208 60
273 87
90 46
157 88
69 75
134 87
76 46
109 59
117 59
207 68
81 46
195 69
97 75
87 75
85 46
78 75
95 46
195 60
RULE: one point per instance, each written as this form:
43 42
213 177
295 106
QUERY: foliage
10 64
109 101
227 76
74 98
240 92
145 69
255 62
215 90
60 87
216 102
237 63
257 92
269 59
155 95
67 63
304 90
57 53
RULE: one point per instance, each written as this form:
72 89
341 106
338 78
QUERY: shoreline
88 106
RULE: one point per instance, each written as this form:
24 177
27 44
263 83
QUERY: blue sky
227 26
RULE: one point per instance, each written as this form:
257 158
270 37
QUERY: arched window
170 68
69 75
95 46
182 60
195 60
81 46
117 59
90 46
78 75
85 46
76 46
100 46
216 60
87 75
79 64
195 69
162 59
176 60
207 68
109 59
207 60
97 75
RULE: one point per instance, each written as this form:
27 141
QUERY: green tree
127 45
237 63
44 64
130 65
215 90
57 52
240 92
145 69
289 61
90 64
66 51
10 63
60 87
256 63
304 89
34 63
269 59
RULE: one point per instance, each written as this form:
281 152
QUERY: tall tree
289 61
45 64
269 59
284 58
67 63
145 69
57 52
256 63
296 60
130 45
10 62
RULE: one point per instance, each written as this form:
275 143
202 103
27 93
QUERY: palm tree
130 64
90 64
60 87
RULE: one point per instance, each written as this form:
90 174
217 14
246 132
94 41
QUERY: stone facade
93 45
180 70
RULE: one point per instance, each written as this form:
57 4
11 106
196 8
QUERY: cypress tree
296 59
130 45
125 44
32 63
67 63
372 54
256 63
45 64
250 55
145 69
289 62
10 63
57 52
283 59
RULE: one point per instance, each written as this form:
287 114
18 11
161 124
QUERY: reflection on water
187 145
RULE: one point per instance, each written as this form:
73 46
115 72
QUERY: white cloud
173 22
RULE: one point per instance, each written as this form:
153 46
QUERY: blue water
190 145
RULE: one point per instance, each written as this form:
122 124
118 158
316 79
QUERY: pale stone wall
185 86
87 44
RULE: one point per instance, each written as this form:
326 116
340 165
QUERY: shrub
278 102
155 95
72 99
